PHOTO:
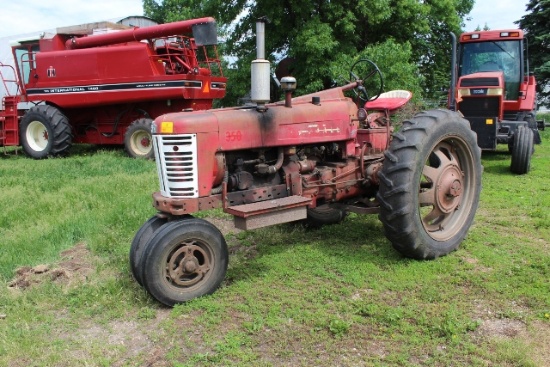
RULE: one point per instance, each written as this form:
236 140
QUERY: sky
499 14
25 16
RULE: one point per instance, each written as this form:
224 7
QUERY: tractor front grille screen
479 106
176 157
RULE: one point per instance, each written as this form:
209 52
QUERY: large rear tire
138 139
430 184
185 259
522 150
44 132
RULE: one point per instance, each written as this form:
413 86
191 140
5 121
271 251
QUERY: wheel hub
187 266
449 189
145 142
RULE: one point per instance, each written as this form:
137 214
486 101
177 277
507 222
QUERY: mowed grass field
336 296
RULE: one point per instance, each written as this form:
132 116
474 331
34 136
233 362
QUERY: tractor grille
176 157
479 82
479 106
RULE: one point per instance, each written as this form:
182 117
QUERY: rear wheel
183 260
45 131
138 139
522 150
430 184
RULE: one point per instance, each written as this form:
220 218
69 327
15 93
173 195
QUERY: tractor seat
390 101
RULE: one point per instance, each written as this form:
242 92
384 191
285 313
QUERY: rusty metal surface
270 218
262 207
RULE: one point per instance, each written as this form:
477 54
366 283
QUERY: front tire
139 243
138 139
522 150
45 131
430 184
185 259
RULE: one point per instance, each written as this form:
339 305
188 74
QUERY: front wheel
139 243
522 149
45 131
183 260
430 184
138 139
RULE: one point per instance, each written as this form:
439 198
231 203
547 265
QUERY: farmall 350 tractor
107 88
494 91
313 157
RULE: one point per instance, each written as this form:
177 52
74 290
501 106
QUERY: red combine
493 89
107 88
315 158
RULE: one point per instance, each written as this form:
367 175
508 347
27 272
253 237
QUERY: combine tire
143 235
323 215
185 259
430 184
44 132
522 150
138 141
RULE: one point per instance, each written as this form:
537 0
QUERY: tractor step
269 212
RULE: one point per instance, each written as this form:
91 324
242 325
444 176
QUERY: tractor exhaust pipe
260 69
452 93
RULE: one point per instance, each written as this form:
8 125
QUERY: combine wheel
143 235
430 184
138 139
183 260
323 215
522 150
45 131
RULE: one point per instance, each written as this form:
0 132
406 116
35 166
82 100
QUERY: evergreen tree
536 23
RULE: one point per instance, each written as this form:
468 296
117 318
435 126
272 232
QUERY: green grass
339 295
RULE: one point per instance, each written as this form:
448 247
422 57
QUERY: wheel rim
141 142
37 136
446 189
189 264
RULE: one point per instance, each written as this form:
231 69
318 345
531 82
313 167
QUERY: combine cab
107 88
496 94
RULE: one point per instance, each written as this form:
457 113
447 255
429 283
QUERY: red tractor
313 158
494 91
107 88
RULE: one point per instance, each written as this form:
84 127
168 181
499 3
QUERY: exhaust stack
260 69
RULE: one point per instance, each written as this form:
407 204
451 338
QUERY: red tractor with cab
494 91
106 88
315 158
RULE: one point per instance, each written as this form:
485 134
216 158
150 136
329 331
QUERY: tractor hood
326 116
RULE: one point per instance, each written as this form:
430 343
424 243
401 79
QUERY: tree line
317 41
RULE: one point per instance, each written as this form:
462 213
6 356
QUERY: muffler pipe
260 69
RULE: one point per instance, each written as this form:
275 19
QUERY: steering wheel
371 70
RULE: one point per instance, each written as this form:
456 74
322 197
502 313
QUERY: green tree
535 24
323 35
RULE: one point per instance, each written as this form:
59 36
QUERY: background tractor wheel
430 184
185 259
138 141
522 150
45 131
323 215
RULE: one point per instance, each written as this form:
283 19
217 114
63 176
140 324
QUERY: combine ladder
9 116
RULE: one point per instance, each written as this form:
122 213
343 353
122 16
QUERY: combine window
505 56
25 56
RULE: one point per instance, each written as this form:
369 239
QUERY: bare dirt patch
76 264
